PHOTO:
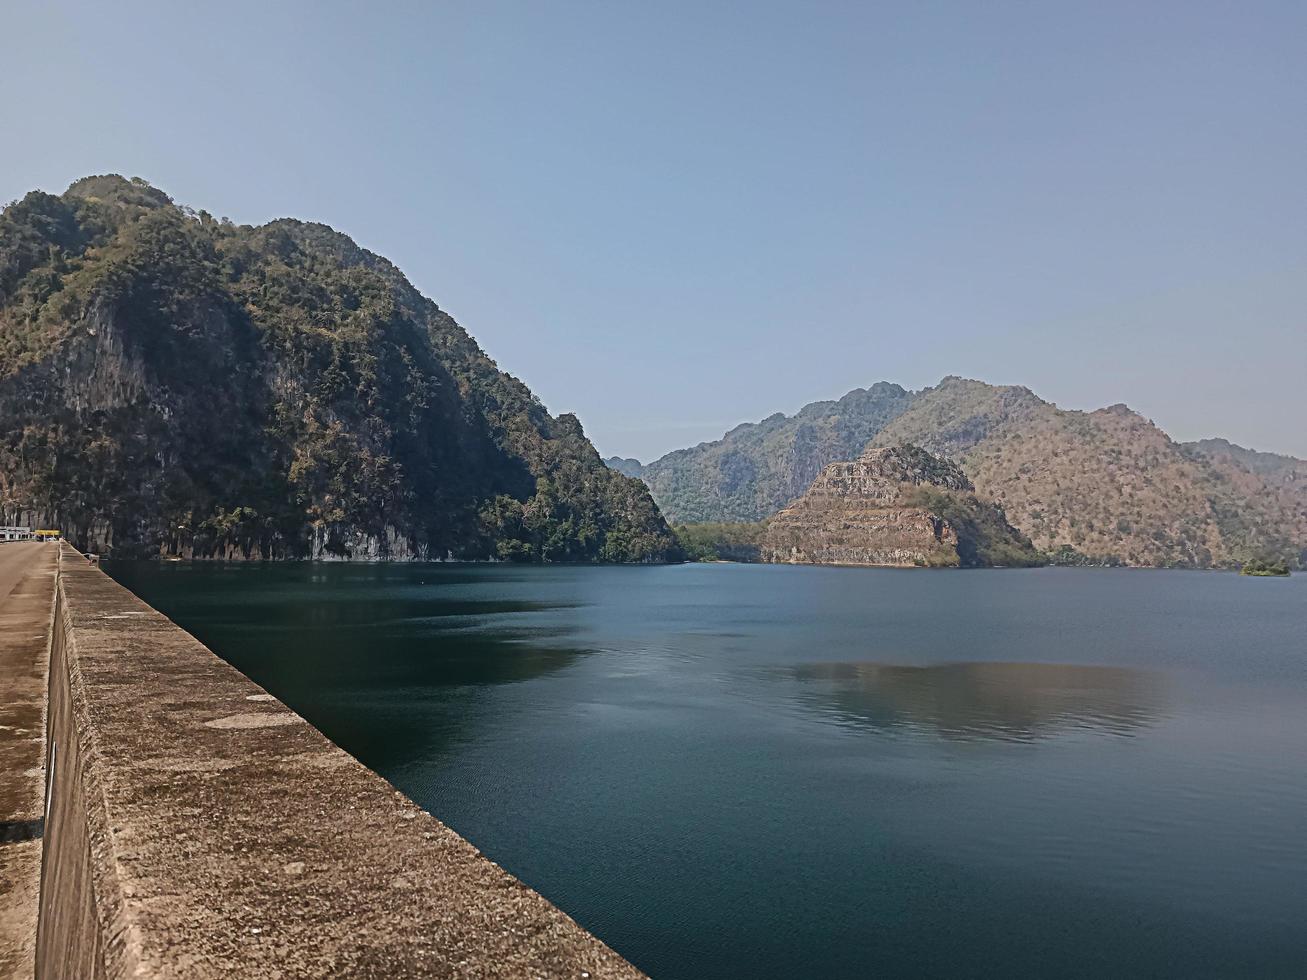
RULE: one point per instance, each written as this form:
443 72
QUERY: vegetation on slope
627 467
721 542
1265 490
1108 484
170 382
1262 569
985 538
758 468
1094 488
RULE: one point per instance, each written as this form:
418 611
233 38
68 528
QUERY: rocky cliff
175 384
1102 487
894 506
1108 486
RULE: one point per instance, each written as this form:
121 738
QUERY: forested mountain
627 467
1102 486
1281 472
171 383
759 467
1107 484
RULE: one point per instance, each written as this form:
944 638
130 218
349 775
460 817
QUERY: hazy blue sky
671 217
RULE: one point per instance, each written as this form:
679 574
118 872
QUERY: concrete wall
69 931
200 829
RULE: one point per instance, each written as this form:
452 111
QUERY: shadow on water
390 662
1018 702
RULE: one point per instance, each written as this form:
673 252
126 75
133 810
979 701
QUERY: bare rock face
172 385
895 506
882 475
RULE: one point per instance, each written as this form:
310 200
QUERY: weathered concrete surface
200 829
27 572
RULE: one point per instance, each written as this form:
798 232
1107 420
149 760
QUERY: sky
672 217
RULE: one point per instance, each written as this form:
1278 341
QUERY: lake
778 772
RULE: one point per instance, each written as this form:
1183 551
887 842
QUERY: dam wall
199 828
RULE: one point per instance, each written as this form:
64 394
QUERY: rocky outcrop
1109 486
1106 487
175 385
895 506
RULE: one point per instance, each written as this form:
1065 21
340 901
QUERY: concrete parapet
198 828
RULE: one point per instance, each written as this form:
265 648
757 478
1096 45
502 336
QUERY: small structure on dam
195 827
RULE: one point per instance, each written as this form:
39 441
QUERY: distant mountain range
759 467
1105 487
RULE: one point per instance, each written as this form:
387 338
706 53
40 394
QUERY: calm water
765 771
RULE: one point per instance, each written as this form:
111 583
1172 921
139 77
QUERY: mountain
627 467
895 506
171 383
1274 487
1279 470
1107 484
757 468
1105 487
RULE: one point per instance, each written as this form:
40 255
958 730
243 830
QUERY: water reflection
390 662
639 744
1020 702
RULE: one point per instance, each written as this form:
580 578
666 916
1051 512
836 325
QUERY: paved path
27 574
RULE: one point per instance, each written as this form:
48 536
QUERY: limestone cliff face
175 385
894 506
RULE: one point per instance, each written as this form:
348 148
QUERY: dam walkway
198 828
27 578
